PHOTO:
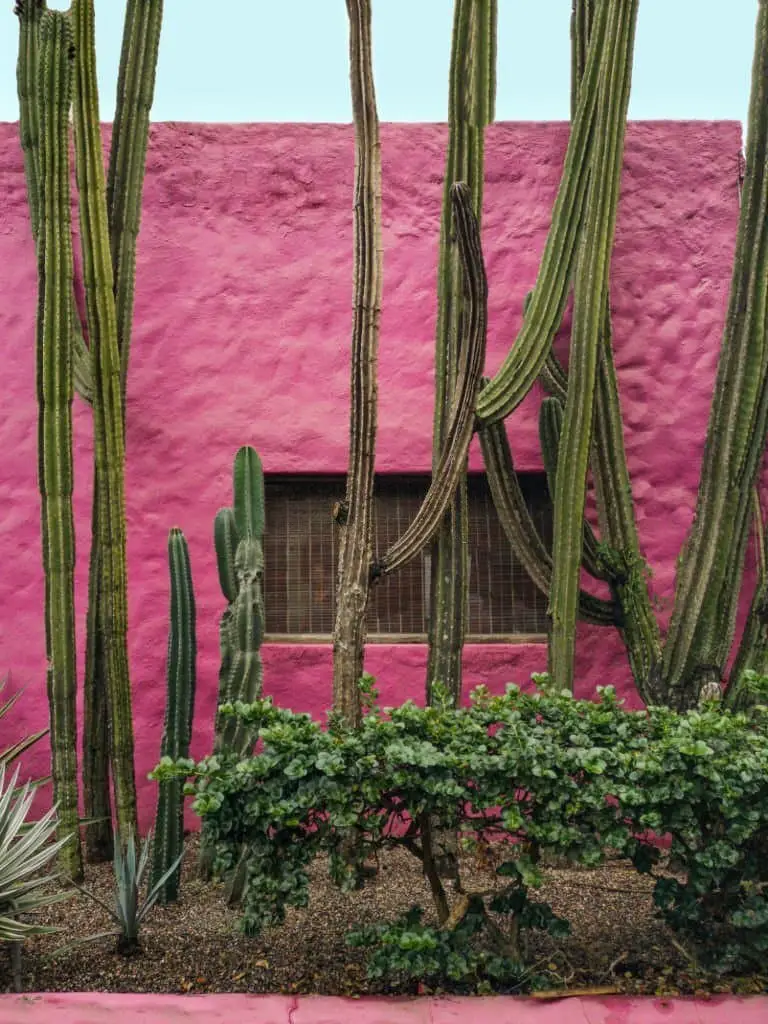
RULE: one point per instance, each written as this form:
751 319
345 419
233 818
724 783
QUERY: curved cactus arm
550 428
752 654
357 532
521 530
54 396
471 101
526 358
109 440
446 475
29 13
225 539
127 156
711 569
589 299
248 485
168 836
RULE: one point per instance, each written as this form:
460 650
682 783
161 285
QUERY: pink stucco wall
243 312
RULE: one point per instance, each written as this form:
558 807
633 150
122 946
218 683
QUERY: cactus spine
179 712
109 440
55 395
355 549
238 538
471 99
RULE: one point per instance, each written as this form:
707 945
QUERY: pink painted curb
94 1008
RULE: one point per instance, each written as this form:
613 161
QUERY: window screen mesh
301 554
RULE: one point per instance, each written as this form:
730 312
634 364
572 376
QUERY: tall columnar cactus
692 661
123 197
54 396
109 427
471 100
238 537
125 180
356 523
179 712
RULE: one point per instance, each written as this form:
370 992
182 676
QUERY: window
301 554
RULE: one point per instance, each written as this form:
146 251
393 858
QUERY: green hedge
537 772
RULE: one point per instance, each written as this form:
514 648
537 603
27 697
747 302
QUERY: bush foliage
531 773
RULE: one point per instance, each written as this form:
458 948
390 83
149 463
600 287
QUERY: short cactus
238 534
179 712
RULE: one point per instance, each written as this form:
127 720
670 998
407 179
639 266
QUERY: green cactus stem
708 583
109 441
526 358
550 429
461 424
29 13
471 99
355 546
752 654
127 157
589 307
521 530
130 132
179 713
54 396
238 539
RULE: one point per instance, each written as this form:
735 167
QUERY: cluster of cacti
580 425
167 843
238 538
109 219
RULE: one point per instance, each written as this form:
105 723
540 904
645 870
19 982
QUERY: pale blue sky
286 60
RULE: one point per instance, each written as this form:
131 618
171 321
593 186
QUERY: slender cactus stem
357 533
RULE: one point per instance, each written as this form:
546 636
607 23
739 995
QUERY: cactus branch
461 417
521 530
29 13
179 712
109 442
526 358
357 533
712 565
54 396
589 305
128 154
471 100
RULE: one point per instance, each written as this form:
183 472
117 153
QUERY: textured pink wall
243 316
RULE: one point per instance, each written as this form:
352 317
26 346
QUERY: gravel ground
195 945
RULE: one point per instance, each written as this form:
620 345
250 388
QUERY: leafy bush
522 770
526 774
702 780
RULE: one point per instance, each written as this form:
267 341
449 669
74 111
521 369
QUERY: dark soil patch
195 945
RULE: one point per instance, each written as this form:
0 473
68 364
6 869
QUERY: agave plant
25 849
128 911
16 749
